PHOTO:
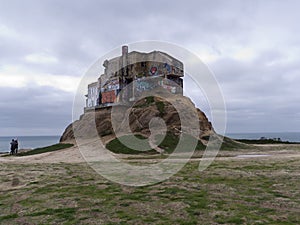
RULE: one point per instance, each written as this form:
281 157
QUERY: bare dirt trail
73 155
69 155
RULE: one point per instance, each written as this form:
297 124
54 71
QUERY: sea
284 136
28 142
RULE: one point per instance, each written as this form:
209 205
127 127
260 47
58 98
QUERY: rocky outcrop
138 117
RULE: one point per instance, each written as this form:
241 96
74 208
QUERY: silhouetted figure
12 146
16 146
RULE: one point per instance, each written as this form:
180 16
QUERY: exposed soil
73 154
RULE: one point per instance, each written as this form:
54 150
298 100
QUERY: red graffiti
153 70
108 97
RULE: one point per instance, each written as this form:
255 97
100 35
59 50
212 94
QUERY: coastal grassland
169 144
232 191
40 150
50 148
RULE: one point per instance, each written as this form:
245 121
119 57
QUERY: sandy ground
69 155
74 155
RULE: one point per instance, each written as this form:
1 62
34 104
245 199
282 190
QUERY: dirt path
73 155
69 155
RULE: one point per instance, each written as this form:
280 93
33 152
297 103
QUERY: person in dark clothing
16 146
12 147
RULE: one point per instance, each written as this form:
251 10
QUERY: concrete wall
92 95
135 66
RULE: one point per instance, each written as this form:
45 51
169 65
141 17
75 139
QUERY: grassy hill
169 144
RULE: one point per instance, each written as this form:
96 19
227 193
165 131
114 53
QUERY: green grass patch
53 211
149 99
8 217
160 107
227 143
61 213
230 144
144 102
169 144
171 141
46 149
116 145
228 192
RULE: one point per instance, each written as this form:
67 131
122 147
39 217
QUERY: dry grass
230 191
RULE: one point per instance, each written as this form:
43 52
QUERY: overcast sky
251 46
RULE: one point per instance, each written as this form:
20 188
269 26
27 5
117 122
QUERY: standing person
16 146
12 146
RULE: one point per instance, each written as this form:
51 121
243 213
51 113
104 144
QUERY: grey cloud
78 32
259 96
35 107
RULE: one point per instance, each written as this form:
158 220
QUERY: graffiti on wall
164 69
169 85
108 97
153 71
167 67
172 89
112 85
145 85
